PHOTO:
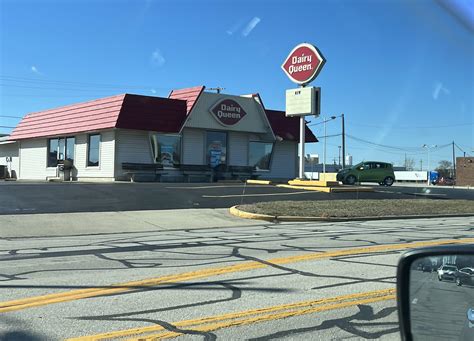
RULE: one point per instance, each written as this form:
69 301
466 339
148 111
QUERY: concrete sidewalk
412 184
68 224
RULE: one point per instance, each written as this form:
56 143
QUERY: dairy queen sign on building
191 135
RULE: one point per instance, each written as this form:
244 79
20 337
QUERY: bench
151 170
190 171
242 172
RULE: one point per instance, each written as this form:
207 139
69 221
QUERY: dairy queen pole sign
302 66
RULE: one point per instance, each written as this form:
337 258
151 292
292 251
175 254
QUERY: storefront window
60 149
216 148
53 152
260 154
93 148
166 149
70 141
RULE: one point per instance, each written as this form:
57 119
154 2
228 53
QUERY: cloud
250 26
34 69
157 58
235 28
153 91
438 89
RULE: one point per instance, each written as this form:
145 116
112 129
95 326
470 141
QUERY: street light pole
339 155
429 161
324 151
324 148
343 143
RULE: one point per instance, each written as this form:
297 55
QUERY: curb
247 215
259 182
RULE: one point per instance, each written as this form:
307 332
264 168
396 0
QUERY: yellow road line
72 295
247 317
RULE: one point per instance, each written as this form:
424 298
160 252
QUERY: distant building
465 171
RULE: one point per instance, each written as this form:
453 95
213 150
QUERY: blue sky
402 72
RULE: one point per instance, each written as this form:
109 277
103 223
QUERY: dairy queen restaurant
192 135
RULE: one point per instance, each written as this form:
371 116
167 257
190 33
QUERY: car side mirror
361 168
435 299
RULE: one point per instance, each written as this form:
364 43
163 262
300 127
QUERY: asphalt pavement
253 280
439 308
22 197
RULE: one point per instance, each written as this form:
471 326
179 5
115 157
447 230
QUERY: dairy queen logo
303 63
227 112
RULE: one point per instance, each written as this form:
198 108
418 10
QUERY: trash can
3 172
64 170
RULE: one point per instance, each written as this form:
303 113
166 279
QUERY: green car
369 171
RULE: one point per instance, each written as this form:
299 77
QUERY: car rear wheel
388 181
350 180
458 282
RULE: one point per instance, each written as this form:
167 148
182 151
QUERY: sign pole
302 141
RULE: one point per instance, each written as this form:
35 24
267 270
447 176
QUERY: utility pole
421 164
343 143
405 161
454 163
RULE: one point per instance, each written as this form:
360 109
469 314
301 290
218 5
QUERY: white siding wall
132 146
10 150
284 161
193 147
105 170
238 145
33 154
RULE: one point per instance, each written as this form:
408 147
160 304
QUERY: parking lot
23 197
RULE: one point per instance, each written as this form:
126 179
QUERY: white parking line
254 195
220 186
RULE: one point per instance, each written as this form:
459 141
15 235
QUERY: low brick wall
465 171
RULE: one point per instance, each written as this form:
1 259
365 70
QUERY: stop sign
303 63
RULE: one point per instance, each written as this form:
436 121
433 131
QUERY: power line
385 146
49 88
7 127
396 149
412 127
328 136
82 84
10 116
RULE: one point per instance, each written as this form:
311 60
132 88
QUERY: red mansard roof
190 95
288 128
121 111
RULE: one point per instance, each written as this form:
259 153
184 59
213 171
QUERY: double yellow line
213 323
36 301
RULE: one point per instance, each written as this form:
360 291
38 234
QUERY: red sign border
217 118
316 71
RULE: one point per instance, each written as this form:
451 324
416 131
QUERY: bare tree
444 168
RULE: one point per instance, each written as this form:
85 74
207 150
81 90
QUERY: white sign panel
411 176
303 101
